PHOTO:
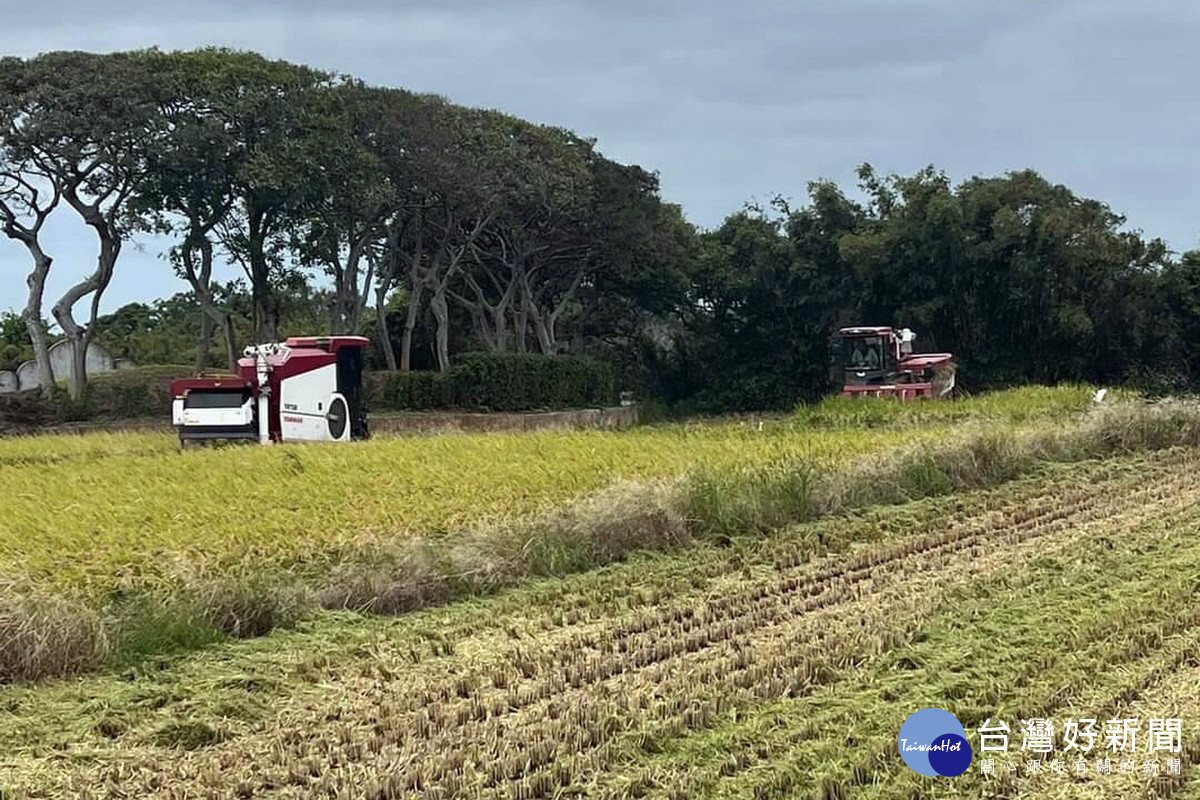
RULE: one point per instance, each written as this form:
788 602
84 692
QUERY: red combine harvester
880 362
307 389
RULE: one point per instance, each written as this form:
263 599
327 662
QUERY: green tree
1181 288
352 198
640 252
276 116
75 128
14 340
189 190
528 265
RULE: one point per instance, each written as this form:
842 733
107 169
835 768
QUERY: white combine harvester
307 389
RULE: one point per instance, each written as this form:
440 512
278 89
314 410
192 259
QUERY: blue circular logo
932 742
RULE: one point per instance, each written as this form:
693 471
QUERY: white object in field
907 337
1099 396
306 406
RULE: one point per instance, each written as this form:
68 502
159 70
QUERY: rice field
768 666
100 513
739 608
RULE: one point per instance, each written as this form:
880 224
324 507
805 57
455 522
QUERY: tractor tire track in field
541 717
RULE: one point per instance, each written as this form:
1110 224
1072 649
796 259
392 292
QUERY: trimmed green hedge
498 382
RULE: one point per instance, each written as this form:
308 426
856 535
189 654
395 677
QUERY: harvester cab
880 361
307 389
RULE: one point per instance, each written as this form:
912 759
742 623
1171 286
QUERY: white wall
98 360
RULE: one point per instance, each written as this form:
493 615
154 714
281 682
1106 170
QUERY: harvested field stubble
754 669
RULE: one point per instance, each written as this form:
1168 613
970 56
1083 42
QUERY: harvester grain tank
307 389
880 362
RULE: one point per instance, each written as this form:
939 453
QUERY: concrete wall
98 360
27 375
8 381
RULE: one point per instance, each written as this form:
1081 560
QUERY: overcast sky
728 101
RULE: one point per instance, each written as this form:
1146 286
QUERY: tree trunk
479 324
266 308
520 326
349 299
105 226
78 381
33 319
544 336
200 281
441 314
534 316
385 336
28 235
231 348
204 344
499 314
360 299
416 288
490 321
77 335
579 334
410 322
500 326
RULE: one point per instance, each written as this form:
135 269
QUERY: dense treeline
1023 280
501 232
439 230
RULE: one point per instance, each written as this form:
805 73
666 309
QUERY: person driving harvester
864 357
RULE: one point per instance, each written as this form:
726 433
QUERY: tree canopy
441 229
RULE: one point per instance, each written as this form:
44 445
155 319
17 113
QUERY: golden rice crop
173 548
129 510
105 510
1012 406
